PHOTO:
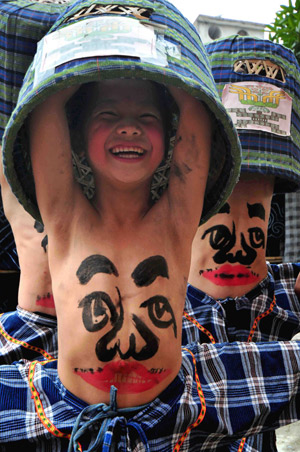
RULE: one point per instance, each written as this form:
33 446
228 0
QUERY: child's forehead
140 93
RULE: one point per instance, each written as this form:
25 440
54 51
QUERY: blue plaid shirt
222 393
257 316
27 335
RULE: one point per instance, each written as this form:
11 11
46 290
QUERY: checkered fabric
242 389
292 228
27 335
263 152
232 319
253 317
187 68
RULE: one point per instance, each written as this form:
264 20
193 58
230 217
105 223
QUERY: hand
54 103
62 96
182 98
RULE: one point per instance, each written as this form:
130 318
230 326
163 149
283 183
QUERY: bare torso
35 292
229 251
119 265
119 303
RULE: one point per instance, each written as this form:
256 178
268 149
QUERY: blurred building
210 28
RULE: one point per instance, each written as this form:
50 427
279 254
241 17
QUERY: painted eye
219 236
256 237
95 310
160 312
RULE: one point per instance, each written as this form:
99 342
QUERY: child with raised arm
29 331
119 263
28 325
117 280
234 294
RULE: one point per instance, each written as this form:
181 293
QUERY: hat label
258 106
100 37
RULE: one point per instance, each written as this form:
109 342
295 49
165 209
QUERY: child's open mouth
130 152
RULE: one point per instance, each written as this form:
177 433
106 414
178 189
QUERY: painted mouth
46 302
127 152
128 378
230 275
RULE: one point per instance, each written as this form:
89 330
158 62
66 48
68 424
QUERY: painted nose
129 130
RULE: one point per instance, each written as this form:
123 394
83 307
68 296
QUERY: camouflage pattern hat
259 82
108 39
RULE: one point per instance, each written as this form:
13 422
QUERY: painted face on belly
126 339
127 377
234 249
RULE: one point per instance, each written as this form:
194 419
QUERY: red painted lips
231 275
127 377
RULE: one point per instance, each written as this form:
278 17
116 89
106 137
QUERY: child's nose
129 129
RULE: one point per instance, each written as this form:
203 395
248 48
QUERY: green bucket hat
140 39
259 82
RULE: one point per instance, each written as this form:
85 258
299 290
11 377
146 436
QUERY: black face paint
225 208
220 239
44 243
256 237
106 354
38 226
256 210
246 256
178 172
149 269
158 309
223 240
94 313
95 264
98 308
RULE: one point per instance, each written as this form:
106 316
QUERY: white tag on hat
258 106
99 37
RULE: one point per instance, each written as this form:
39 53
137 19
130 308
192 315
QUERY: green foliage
286 27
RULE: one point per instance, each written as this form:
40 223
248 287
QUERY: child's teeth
119 150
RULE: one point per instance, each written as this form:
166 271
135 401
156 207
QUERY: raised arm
56 189
9 201
190 163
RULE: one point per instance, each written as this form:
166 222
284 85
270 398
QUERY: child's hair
80 106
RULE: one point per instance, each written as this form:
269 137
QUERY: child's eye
107 113
150 116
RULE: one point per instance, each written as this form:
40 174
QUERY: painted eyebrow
149 269
256 210
225 208
93 264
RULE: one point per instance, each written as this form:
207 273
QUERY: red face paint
46 302
231 275
128 378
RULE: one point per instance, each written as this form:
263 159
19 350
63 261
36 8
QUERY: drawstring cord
110 416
